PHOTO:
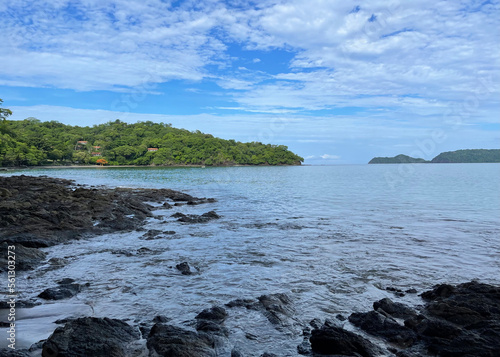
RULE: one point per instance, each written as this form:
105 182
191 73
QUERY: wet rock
58 262
7 352
201 201
462 320
90 336
211 320
278 308
152 234
26 258
236 353
396 291
168 340
379 325
41 211
266 354
161 318
247 303
186 269
334 340
66 289
215 313
192 218
212 327
395 309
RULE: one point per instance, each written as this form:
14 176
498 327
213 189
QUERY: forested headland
32 142
458 156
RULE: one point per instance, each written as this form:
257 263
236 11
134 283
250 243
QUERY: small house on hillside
96 154
96 147
152 149
82 142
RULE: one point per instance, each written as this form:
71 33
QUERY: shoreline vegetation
39 212
449 157
31 142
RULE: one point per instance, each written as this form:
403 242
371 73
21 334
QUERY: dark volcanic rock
379 325
90 336
211 320
215 313
26 258
186 269
334 340
278 308
394 309
41 211
192 218
65 290
14 353
462 320
168 340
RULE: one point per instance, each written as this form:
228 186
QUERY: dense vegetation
32 142
400 159
459 156
466 156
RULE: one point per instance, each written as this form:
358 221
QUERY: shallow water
332 238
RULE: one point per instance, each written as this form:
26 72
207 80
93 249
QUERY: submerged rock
91 336
215 313
192 218
66 289
186 269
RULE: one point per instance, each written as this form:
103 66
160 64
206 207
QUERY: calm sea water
333 238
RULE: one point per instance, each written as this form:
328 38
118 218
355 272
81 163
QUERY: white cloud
330 157
415 57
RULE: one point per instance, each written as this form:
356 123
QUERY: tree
102 162
4 113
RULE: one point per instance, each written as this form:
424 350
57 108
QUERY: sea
333 238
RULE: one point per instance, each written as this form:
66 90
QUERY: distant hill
32 142
468 156
459 156
400 159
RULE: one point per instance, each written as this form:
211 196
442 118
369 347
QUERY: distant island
458 156
31 142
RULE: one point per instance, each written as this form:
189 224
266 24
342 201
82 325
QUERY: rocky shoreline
39 212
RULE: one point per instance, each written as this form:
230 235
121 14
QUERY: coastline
11 168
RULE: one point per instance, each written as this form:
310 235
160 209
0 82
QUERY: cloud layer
362 70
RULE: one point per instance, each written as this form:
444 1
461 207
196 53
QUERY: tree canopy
32 142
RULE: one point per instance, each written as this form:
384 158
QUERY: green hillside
459 156
468 156
400 159
32 142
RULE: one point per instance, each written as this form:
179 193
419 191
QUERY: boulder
334 340
91 336
168 340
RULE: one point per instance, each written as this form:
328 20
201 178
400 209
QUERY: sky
338 82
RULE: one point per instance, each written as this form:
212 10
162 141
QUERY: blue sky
336 81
